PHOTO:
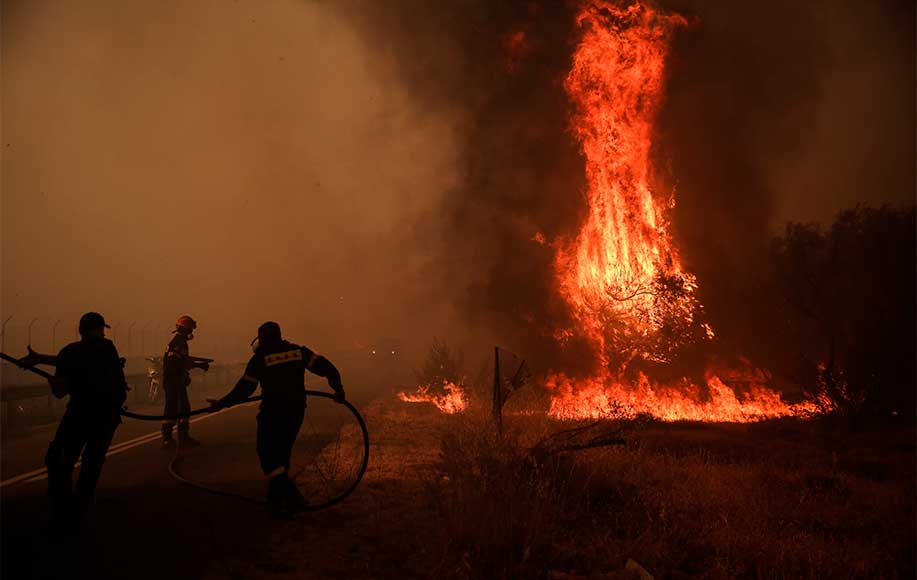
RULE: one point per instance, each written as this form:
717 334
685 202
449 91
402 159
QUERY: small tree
441 365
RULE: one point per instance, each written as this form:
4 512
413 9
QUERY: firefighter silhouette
279 366
176 366
91 372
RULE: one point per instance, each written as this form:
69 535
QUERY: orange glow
516 46
598 399
453 400
622 275
610 273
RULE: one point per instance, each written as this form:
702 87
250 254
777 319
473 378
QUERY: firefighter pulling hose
277 365
280 366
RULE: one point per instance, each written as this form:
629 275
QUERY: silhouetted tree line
844 300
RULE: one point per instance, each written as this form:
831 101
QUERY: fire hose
176 459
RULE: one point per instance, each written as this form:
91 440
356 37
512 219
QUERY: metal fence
135 339
30 404
25 398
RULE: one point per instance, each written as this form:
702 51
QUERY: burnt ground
443 499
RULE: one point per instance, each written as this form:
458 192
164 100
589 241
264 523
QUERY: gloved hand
31 359
339 396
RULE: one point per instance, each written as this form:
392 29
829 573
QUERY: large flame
622 275
598 399
452 400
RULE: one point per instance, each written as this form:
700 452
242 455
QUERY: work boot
294 499
276 492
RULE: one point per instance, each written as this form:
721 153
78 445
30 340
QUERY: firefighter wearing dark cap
90 371
176 376
280 366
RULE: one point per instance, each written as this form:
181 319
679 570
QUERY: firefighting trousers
78 433
176 402
278 428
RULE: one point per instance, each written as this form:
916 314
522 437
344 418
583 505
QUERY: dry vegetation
776 500
446 497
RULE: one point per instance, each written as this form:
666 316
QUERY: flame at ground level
597 398
453 400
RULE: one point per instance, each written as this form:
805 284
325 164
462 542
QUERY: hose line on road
177 458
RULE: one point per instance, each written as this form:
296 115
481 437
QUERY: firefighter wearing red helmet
176 366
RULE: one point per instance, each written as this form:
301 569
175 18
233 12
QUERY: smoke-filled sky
235 161
357 169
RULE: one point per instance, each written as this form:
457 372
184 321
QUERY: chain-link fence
25 398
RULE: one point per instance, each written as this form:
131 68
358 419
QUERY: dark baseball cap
92 320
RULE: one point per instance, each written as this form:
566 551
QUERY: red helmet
185 323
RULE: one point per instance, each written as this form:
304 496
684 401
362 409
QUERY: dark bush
848 307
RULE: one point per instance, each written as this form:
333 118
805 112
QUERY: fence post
31 322
498 395
143 328
130 328
54 336
3 333
158 332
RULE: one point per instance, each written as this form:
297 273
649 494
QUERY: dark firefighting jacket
176 365
95 378
281 369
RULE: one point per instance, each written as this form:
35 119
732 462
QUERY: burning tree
621 274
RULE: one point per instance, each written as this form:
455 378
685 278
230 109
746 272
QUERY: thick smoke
497 69
360 169
766 113
239 162
780 111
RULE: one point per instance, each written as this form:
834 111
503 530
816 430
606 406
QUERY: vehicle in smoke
385 347
154 378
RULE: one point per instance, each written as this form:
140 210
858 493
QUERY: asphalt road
145 524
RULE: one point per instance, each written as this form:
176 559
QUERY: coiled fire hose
176 459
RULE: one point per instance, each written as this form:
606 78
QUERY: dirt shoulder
375 533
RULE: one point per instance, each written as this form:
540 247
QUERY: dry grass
446 498
778 500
